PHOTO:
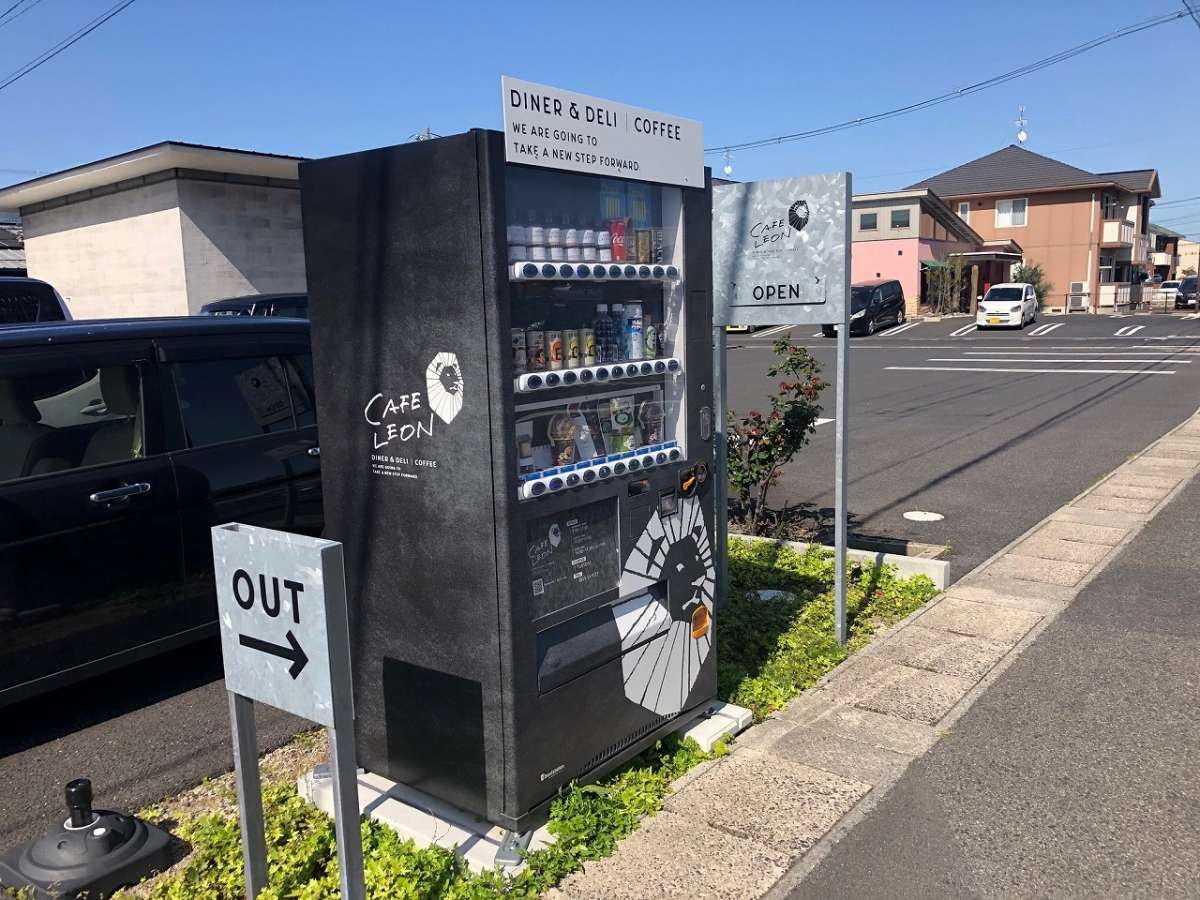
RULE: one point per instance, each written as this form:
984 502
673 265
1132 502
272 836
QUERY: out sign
280 597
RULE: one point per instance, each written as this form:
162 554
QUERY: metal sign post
285 639
721 463
781 256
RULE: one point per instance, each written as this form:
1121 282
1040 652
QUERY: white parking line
1195 315
1074 359
903 328
822 421
1046 329
966 329
819 334
1128 330
775 330
1033 371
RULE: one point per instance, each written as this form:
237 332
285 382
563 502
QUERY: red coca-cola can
619 229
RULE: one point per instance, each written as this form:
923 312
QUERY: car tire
870 327
900 317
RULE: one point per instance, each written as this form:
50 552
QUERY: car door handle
124 492
314 451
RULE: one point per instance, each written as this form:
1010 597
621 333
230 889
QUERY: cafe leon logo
444 386
798 215
411 415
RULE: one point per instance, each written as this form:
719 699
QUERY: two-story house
1089 231
1164 254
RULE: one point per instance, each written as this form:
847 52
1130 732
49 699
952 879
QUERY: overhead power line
1175 202
1192 11
1028 69
13 18
66 42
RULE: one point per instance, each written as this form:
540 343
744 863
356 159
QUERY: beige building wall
883 217
240 239
1189 257
1061 234
114 255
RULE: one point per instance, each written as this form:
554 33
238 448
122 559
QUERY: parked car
1007 306
1168 291
291 306
121 444
873 305
28 300
1187 295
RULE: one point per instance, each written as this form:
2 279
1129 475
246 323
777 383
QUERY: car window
1003 293
230 399
68 417
28 301
292 308
300 380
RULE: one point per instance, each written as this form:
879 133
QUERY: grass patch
768 651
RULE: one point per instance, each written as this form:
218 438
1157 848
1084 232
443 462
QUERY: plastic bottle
634 338
603 329
616 334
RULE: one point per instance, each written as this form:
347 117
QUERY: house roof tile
1016 169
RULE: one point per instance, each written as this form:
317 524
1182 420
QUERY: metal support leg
249 789
839 478
345 803
721 464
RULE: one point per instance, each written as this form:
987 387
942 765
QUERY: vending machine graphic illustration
513 366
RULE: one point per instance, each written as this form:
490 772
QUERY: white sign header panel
557 129
781 251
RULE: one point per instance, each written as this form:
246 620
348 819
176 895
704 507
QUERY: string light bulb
728 168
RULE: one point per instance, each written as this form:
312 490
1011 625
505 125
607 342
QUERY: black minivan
873 305
121 444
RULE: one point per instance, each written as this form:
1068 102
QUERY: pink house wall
899 259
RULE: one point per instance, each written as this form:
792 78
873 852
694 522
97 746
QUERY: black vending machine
513 368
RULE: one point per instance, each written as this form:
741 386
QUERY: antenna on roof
1021 122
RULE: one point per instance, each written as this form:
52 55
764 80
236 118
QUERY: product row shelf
581 271
602 468
553 378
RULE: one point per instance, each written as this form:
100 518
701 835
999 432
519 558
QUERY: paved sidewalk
1010 804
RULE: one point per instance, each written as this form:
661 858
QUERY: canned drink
554 349
517 253
574 254
518 351
589 252
650 337
587 343
618 230
537 252
535 350
604 254
573 352
556 253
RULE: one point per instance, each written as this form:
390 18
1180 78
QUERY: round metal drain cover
919 515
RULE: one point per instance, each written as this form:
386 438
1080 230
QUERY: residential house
1164 252
1088 231
161 230
905 234
1189 258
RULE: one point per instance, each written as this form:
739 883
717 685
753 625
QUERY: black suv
292 306
121 444
873 305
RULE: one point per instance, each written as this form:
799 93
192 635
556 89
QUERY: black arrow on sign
295 652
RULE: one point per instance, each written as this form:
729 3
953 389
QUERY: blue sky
319 78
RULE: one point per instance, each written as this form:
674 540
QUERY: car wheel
870 327
900 317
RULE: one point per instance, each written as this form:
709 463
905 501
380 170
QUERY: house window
1106 270
964 211
868 221
1108 206
900 218
1011 213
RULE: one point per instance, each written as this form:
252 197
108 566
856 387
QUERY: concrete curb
937 570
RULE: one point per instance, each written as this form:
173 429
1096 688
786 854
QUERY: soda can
587 344
618 229
535 350
556 253
554 349
604 254
572 351
520 363
537 252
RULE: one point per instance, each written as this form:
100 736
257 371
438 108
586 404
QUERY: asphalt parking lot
991 429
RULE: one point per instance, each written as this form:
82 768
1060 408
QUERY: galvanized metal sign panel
280 599
781 251
557 129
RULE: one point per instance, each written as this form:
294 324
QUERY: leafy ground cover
768 651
